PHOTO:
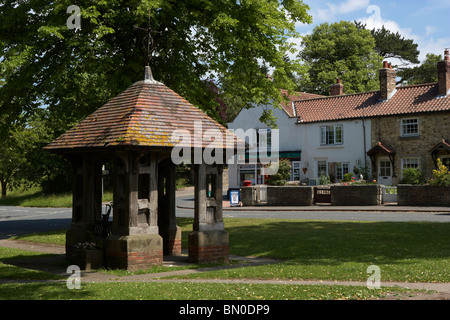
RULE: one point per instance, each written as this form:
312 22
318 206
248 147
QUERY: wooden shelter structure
135 131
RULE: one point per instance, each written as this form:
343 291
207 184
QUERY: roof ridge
338 96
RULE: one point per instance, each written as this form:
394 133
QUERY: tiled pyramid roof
406 100
144 115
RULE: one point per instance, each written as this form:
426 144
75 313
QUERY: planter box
417 195
86 259
357 195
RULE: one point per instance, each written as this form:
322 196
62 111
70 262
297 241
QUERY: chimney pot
446 55
385 65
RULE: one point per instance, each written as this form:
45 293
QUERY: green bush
284 172
348 177
323 179
441 176
412 176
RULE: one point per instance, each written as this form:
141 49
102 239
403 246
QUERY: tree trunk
3 184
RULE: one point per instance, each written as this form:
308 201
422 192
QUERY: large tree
340 50
393 45
424 73
74 71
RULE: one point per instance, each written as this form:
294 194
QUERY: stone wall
357 195
432 128
416 195
278 196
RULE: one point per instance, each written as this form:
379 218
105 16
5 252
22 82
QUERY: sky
427 22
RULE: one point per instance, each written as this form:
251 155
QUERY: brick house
409 125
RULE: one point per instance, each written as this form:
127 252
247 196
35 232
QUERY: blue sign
234 197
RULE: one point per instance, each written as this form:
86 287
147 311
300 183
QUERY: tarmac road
20 220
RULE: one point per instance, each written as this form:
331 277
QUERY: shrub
412 176
441 176
348 177
323 179
284 172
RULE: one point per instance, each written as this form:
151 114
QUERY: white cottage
313 142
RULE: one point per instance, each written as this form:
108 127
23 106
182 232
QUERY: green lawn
327 250
338 250
34 197
191 291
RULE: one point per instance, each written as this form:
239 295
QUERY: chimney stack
387 81
444 74
337 89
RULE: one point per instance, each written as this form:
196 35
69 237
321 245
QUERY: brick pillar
209 241
337 89
387 81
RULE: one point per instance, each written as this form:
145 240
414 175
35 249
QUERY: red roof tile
144 115
379 147
406 100
297 96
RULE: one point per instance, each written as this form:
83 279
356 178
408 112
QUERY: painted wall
249 119
350 151
307 138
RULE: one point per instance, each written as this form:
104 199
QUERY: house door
385 172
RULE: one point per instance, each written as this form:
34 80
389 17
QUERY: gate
322 194
389 194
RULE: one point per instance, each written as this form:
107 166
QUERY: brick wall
432 128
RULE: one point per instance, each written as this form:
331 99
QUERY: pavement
185 200
54 264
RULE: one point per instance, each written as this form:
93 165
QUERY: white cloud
333 9
426 44
430 30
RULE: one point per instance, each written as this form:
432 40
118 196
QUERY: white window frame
326 167
295 165
264 144
404 127
340 168
325 136
406 165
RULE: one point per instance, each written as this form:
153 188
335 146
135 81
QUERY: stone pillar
167 222
135 243
209 241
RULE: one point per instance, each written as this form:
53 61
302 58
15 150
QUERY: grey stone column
209 241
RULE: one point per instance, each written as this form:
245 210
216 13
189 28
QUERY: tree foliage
76 71
72 72
424 73
340 50
393 45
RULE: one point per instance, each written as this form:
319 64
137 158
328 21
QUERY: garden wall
277 196
357 195
417 195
